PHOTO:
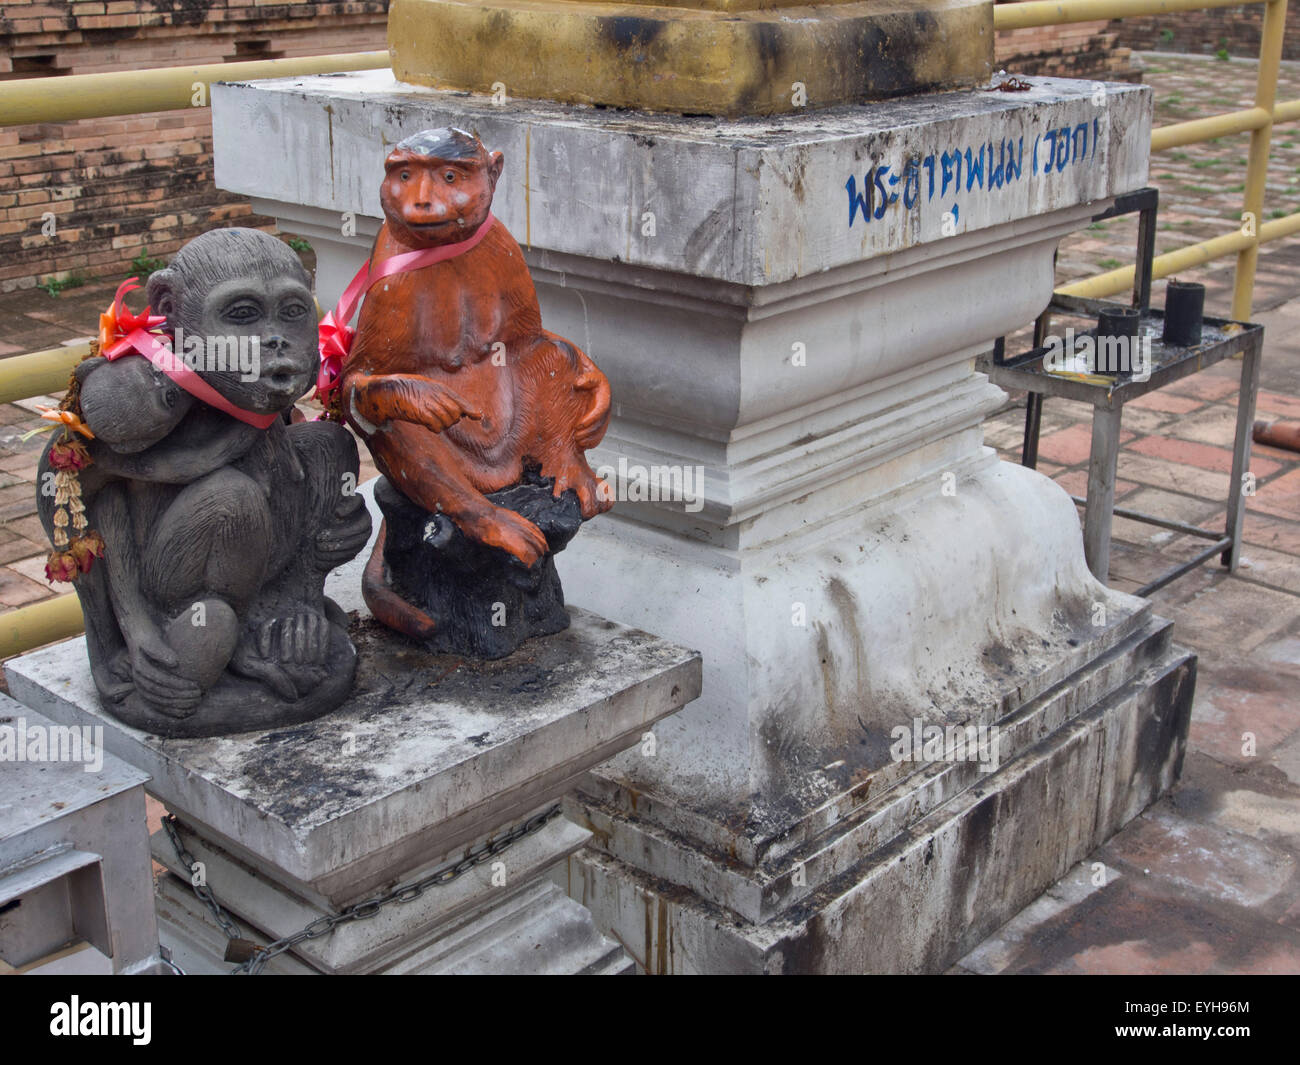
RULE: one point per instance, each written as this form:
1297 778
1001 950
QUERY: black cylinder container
1184 313
1117 323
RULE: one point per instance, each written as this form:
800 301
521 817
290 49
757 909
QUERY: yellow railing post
1270 57
133 92
39 624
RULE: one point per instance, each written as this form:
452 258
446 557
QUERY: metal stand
1221 339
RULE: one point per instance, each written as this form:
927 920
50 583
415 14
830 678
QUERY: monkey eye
450 175
242 311
406 175
293 311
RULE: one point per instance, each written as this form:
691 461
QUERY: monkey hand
506 530
345 535
376 399
153 665
440 408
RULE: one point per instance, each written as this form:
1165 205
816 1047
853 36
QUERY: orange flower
67 418
119 321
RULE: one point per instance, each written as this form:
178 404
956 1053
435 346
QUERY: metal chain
200 885
358 911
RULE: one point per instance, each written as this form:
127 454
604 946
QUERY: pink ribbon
335 333
136 333
157 351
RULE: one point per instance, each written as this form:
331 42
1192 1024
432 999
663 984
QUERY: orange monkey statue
478 418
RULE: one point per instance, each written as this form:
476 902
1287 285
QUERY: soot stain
629 33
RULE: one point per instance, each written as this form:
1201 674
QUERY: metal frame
1025 372
1108 405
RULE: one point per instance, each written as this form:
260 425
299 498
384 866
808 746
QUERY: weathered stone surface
946 880
747 202
498 916
792 355
540 931
433 755
426 751
781 846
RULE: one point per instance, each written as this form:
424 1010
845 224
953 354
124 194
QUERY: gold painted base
718 57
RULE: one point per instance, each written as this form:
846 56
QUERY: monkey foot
572 474
251 692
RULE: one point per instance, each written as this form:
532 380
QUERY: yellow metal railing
135 92
42 373
39 624
174 88
1024 16
1258 121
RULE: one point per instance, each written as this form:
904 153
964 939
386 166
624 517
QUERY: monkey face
268 331
241 308
430 201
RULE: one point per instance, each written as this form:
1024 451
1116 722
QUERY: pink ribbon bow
336 335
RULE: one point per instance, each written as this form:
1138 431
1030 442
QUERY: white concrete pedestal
788 311
431 758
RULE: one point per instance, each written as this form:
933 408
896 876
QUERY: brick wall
1077 50
1205 32
118 187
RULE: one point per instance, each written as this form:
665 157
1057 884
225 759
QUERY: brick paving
1205 880
1201 185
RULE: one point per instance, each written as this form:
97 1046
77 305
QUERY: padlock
240 950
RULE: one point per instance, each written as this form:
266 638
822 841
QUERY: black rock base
470 599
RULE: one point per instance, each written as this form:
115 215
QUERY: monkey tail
386 605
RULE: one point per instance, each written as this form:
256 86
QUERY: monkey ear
162 291
495 162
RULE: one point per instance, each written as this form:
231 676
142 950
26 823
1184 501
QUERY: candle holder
1115 324
1184 313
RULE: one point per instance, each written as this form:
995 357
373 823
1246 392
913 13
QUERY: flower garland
76 553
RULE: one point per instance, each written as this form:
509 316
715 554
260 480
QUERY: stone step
542 932
934 890
790 873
